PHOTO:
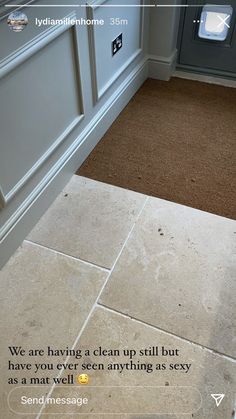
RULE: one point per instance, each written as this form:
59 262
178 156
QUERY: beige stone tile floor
169 281
178 272
209 371
89 220
44 300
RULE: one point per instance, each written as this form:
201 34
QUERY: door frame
194 69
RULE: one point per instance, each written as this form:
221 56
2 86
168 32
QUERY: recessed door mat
175 140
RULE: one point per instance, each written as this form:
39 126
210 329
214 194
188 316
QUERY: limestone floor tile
45 298
177 272
89 220
179 391
117 416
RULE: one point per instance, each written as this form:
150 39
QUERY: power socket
117 44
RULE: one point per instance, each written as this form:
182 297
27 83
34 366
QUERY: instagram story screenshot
118 209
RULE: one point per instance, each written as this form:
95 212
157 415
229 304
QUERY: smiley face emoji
83 379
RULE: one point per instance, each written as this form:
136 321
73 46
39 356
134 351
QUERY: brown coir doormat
175 140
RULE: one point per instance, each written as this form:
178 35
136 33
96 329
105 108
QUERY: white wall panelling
41 110
105 68
49 120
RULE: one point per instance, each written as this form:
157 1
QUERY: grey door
208 54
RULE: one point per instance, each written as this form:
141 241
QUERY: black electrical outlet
116 45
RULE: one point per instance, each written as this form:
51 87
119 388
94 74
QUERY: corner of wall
162 68
163 37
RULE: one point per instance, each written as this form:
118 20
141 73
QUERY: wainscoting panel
41 102
105 67
60 90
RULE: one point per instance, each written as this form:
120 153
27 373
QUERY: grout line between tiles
127 316
94 265
95 303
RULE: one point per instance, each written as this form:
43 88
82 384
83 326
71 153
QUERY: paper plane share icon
218 398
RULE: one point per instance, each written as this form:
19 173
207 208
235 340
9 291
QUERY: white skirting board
161 68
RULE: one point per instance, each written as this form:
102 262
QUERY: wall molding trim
5 11
98 93
36 203
2 199
30 48
162 68
22 55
